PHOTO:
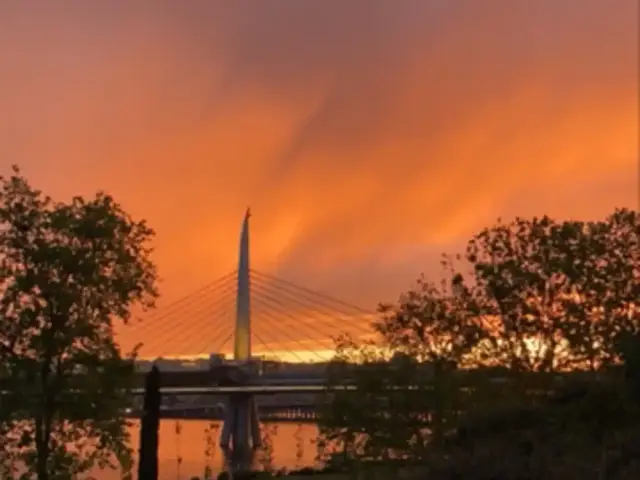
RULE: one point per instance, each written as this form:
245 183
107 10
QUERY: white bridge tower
241 429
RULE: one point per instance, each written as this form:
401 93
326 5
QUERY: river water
184 444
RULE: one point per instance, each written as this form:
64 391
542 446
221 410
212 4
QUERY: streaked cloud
367 136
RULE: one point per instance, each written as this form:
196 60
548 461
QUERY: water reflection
190 448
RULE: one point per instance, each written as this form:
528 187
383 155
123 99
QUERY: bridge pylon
241 428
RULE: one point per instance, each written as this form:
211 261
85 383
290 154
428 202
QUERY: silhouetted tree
68 271
407 394
377 422
519 269
433 322
604 268
559 293
540 297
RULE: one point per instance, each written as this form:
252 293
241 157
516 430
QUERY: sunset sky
366 135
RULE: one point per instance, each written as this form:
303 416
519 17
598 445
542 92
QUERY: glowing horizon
284 356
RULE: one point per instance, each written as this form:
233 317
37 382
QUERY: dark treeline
494 349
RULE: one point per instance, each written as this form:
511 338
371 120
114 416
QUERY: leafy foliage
407 381
559 293
384 421
433 323
68 272
537 298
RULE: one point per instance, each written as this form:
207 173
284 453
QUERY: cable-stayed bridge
288 323
292 337
248 312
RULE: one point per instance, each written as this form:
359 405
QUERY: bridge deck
231 379
225 377
199 378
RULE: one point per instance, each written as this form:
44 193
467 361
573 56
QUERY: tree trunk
42 450
43 421
148 453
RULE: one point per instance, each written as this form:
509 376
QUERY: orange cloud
367 136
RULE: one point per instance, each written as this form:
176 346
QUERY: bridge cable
307 305
303 300
168 318
274 353
285 332
281 308
217 348
167 314
170 323
308 311
212 326
165 344
172 343
205 346
189 297
272 340
168 335
220 346
291 285
176 307
293 320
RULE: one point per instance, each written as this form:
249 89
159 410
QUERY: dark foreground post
150 424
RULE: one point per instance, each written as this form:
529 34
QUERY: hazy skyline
367 136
